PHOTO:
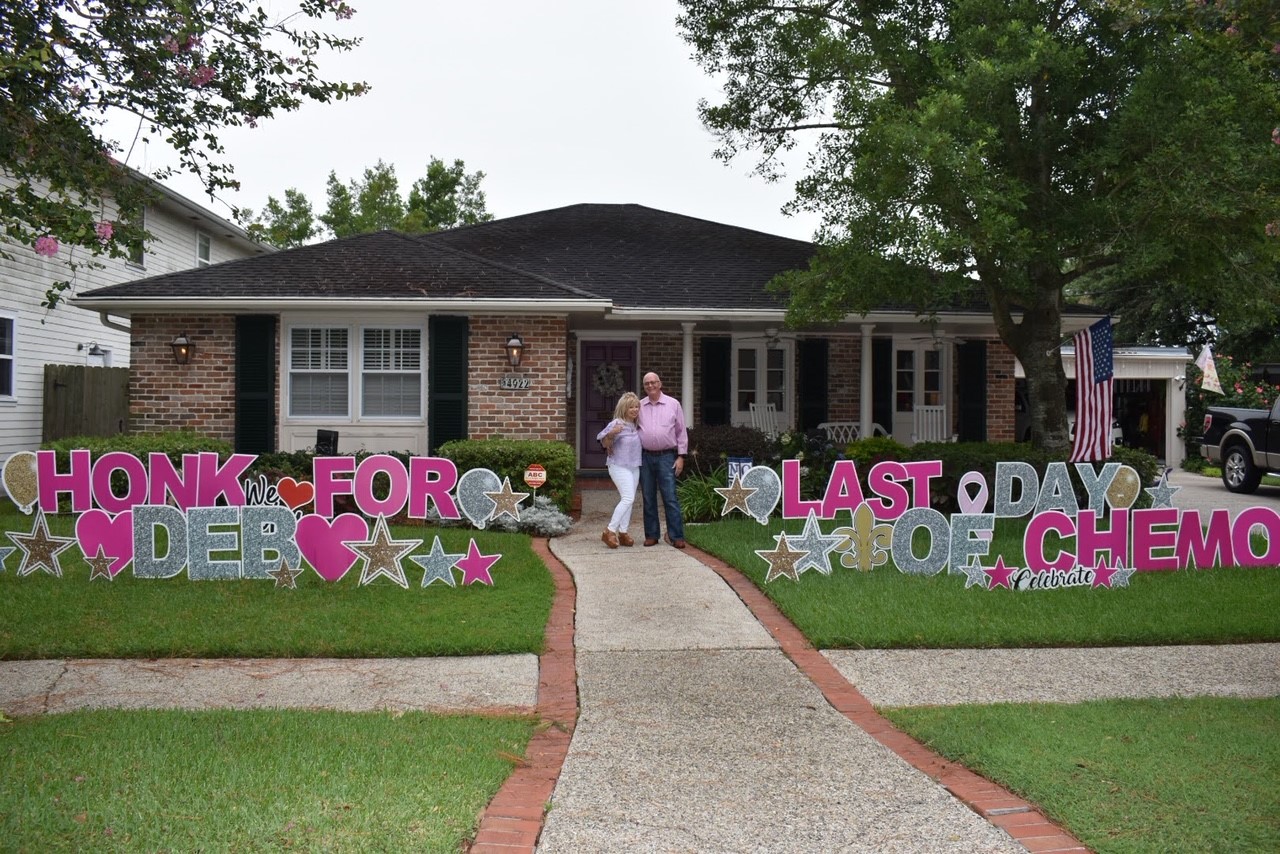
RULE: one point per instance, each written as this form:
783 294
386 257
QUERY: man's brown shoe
650 541
624 539
677 543
610 538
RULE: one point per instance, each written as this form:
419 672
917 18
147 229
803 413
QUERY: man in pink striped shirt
664 441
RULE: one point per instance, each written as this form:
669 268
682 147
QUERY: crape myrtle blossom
104 230
46 245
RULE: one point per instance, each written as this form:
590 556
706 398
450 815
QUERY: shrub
711 446
541 519
510 458
699 502
141 445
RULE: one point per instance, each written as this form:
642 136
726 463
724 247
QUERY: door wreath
608 381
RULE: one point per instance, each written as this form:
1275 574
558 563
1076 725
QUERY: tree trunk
1041 359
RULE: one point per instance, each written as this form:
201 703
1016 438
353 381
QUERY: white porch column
686 374
864 395
1175 412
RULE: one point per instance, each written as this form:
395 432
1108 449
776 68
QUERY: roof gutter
124 306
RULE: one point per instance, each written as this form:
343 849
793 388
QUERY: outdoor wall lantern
94 349
183 347
515 349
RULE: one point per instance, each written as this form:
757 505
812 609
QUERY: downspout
106 320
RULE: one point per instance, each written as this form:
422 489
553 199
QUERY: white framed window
204 249
378 367
391 373
8 355
319 372
761 374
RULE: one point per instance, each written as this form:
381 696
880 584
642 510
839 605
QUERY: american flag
1094 372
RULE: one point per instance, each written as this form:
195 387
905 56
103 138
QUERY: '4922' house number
514 382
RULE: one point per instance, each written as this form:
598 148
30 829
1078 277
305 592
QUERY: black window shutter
446 380
255 384
713 408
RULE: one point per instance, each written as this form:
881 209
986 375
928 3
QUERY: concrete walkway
686 714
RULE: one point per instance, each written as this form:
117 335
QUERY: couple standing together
647 440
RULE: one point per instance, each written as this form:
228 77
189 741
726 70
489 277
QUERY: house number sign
514 382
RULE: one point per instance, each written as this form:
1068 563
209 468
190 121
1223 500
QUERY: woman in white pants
621 441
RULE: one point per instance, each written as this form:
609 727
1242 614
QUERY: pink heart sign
321 542
114 535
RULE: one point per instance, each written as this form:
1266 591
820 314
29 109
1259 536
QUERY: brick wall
197 396
844 379
661 353
1000 394
537 412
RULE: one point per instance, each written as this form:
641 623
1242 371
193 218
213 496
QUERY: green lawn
46 617
884 608
250 780
1128 776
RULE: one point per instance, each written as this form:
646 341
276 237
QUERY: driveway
1207 493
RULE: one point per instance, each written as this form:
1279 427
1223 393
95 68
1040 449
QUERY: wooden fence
84 401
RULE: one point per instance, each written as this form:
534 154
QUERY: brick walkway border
513 820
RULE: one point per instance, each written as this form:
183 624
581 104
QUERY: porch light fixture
94 349
515 349
183 347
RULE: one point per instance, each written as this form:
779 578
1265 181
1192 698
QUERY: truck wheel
1239 474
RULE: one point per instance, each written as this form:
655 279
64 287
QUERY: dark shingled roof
637 256
381 265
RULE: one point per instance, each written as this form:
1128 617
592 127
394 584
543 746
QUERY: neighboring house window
391 373
760 376
137 251
7 353
204 249
319 372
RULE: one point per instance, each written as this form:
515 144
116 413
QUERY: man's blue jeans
657 474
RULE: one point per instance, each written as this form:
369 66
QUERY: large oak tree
1022 149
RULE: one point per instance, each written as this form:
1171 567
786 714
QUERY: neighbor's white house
183 235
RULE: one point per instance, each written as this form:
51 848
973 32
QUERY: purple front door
608 369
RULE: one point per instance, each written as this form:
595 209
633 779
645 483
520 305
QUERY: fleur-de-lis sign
866 544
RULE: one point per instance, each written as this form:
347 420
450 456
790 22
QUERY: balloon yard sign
206 518
1111 539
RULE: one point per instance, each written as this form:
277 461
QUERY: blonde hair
624 403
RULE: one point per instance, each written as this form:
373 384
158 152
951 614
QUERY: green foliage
446 197
187 70
1013 153
286 224
873 449
1240 389
711 446
699 501
141 445
510 458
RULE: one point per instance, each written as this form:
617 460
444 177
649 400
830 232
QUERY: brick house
401 342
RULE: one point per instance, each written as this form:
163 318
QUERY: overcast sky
557 103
